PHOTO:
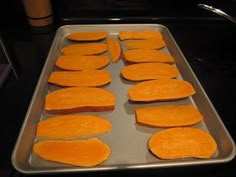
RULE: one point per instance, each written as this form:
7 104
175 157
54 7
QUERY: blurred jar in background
39 12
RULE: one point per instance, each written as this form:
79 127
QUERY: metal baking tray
127 140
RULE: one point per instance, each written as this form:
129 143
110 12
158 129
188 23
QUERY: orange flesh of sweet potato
79 99
145 34
148 71
145 44
73 62
84 153
86 78
114 49
186 142
147 55
72 126
168 116
84 49
160 90
87 36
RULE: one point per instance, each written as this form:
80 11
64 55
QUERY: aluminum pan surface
127 140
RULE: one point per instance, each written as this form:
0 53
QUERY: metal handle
217 11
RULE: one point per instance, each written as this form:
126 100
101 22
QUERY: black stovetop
208 45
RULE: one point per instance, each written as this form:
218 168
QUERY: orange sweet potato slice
84 49
160 90
147 55
86 78
72 126
148 71
87 36
168 116
145 44
79 99
75 62
186 142
145 34
114 49
84 153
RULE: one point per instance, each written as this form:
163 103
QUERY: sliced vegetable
168 116
87 36
84 153
145 34
114 49
79 99
186 142
160 90
84 49
148 71
145 44
86 78
147 55
72 126
75 62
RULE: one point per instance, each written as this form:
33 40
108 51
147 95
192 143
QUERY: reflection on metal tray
127 140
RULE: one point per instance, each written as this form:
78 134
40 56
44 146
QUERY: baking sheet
127 140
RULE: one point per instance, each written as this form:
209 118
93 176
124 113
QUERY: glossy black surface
208 44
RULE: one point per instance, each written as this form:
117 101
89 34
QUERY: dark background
206 39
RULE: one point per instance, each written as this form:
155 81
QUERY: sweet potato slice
145 44
72 126
75 62
84 153
147 55
168 116
148 71
186 142
87 36
145 34
86 78
114 49
79 99
84 49
160 90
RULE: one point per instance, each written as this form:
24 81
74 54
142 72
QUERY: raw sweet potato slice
160 90
186 142
168 116
114 49
79 99
86 78
84 153
148 71
147 55
72 126
84 49
145 34
75 62
145 44
87 36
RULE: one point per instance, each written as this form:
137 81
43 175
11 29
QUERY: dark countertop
208 45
